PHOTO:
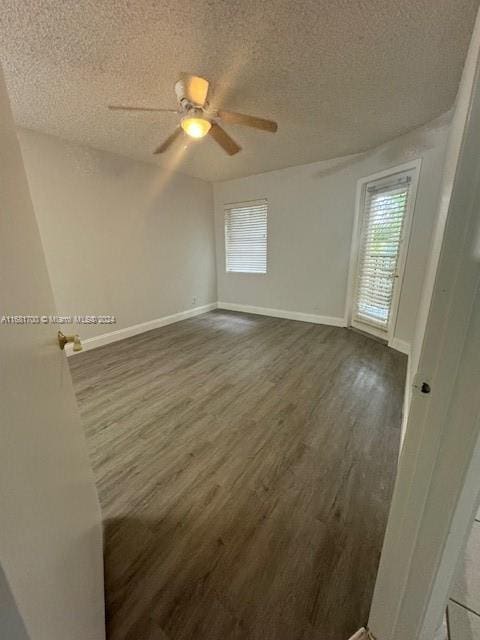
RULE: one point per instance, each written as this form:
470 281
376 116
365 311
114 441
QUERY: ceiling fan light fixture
196 127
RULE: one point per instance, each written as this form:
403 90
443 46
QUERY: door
50 533
385 203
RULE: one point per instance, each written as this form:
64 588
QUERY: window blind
384 211
246 237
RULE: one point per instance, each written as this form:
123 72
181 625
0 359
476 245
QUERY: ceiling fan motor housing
181 93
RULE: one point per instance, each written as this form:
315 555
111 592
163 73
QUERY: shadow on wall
11 623
413 145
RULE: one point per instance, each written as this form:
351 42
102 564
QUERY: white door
384 209
50 531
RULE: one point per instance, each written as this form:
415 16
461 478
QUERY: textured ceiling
339 76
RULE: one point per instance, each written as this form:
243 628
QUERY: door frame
436 493
415 167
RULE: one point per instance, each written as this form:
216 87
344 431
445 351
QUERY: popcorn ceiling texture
339 77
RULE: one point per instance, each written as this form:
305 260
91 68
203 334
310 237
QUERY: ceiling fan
197 119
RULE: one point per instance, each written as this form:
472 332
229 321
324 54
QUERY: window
246 237
385 207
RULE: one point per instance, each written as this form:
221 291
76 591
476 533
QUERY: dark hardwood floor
245 467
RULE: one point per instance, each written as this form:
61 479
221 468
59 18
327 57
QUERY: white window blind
246 237
385 206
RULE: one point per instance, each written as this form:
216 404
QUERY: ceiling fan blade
120 107
196 88
222 138
169 141
231 117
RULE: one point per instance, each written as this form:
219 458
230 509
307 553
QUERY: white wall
129 239
311 213
120 237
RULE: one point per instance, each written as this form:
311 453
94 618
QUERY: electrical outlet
194 301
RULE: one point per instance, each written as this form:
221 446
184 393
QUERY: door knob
63 339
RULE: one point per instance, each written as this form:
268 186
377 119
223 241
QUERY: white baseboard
127 332
400 345
280 313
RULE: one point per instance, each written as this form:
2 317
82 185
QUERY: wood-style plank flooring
245 467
